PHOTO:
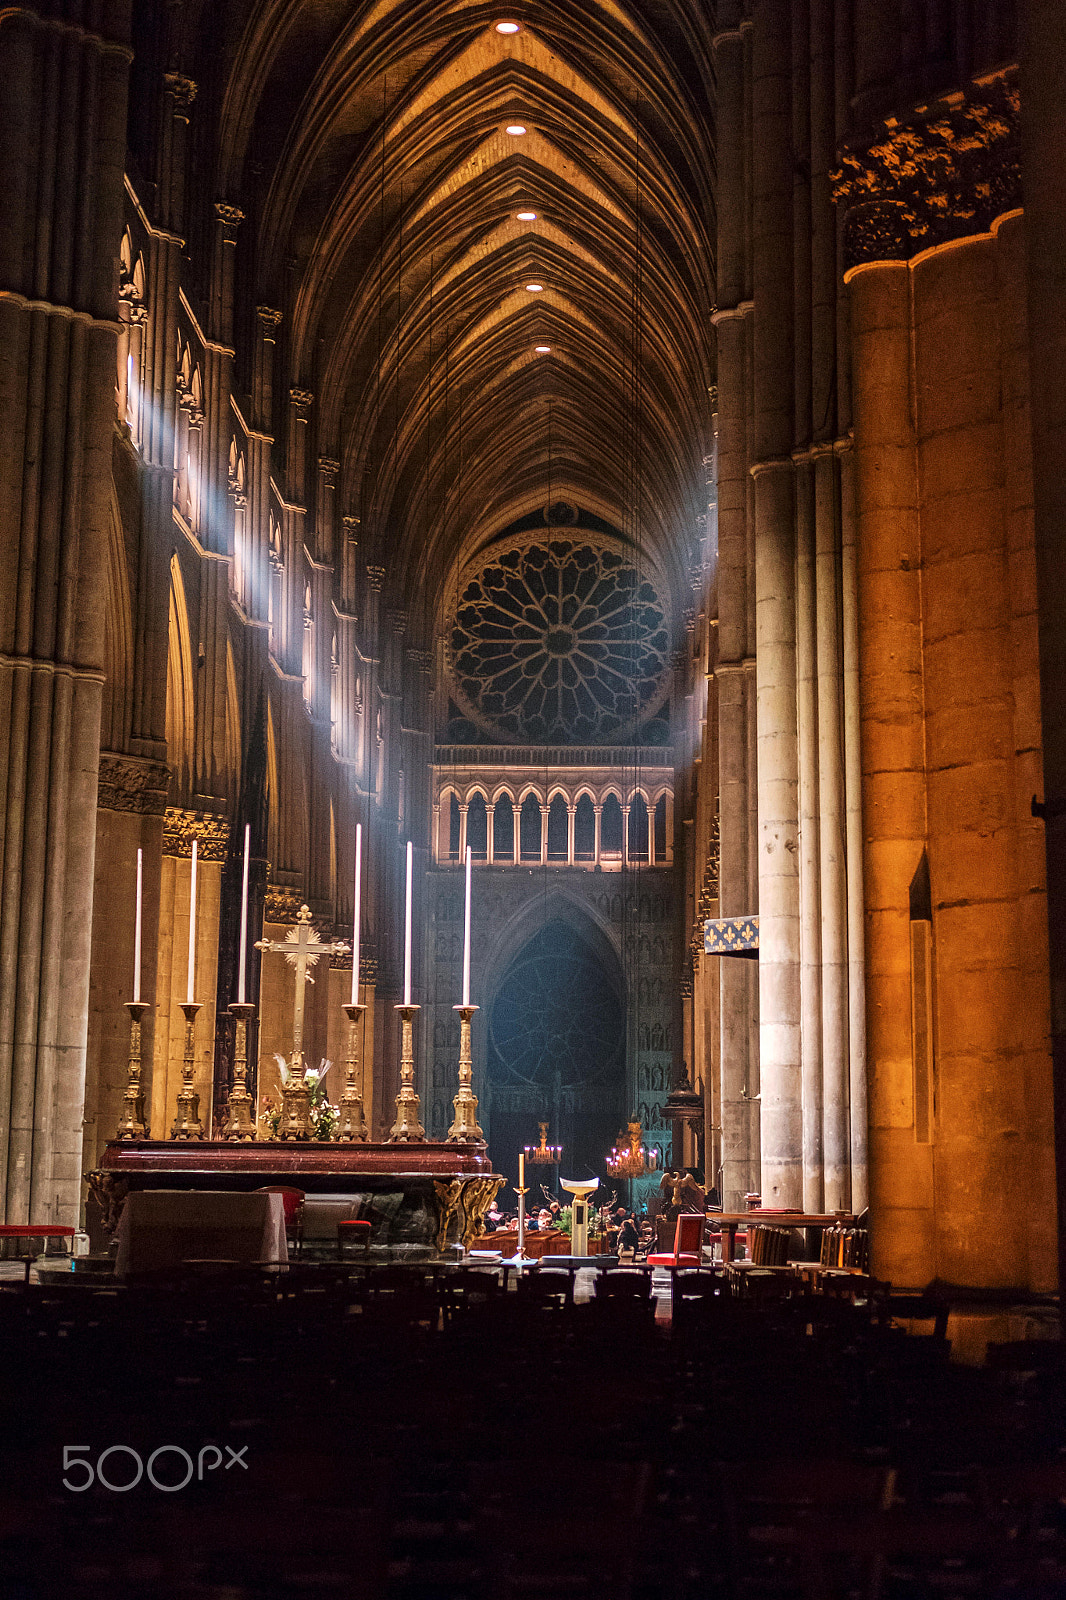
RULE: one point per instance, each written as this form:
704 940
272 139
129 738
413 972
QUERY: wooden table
729 1221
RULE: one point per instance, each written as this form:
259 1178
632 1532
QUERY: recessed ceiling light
508 27
542 349
515 129
526 216
534 288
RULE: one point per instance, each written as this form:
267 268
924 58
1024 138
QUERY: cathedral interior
624 440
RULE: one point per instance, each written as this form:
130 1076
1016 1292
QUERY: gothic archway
556 1049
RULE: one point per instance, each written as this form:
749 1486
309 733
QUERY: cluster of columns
787 737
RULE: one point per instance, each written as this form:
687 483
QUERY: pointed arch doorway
556 1051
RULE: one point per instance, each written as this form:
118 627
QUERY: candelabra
544 1154
187 1124
351 1128
295 1122
407 1129
240 1129
465 1128
629 1159
133 1125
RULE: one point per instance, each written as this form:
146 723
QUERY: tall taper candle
192 925
466 936
407 934
137 938
242 959
355 913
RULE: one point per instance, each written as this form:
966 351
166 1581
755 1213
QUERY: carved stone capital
181 90
210 831
281 904
269 317
943 171
128 783
231 217
397 619
351 529
375 576
329 468
302 399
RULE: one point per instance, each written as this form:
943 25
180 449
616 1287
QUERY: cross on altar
302 948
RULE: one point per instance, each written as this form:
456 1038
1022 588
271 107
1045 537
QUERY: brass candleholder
133 1124
407 1129
465 1128
295 1101
351 1126
187 1124
240 1129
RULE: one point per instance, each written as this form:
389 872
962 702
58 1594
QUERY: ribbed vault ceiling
388 228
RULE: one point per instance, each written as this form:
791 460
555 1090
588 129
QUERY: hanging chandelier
630 1158
544 1154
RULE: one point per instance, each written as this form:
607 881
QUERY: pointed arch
181 690
116 714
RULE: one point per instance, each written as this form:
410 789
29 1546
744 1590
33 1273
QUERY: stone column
810 908
571 812
1043 57
543 834
463 809
597 812
62 145
490 832
775 610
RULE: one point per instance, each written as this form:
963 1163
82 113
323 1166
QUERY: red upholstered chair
688 1238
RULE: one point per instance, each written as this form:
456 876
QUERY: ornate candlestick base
132 1125
187 1124
465 1128
351 1125
407 1129
295 1101
240 1129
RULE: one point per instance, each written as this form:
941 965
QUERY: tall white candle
242 958
192 925
466 936
407 934
355 913
137 937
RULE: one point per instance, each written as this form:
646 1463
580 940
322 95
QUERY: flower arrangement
323 1115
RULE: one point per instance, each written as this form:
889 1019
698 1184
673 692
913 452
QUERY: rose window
563 643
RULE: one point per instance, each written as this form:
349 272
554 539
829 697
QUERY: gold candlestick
295 1101
187 1124
465 1128
407 1129
133 1124
240 1129
351 1127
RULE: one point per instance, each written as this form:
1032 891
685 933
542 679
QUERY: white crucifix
301 948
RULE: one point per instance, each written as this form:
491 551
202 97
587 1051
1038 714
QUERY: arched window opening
503 830
611 830
557 830
477 827
453 828
585 830
529 828
660 828
638 829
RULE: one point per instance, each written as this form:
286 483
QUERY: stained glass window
559 643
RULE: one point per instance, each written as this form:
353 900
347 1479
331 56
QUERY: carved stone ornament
375 576
130 784
302 399
209 830
944 171
281 904
230 216
270 318
182 90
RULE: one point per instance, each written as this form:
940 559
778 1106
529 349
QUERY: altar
422 1200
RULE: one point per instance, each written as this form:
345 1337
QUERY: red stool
353 1233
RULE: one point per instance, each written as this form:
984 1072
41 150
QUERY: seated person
544 1219
628 1238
